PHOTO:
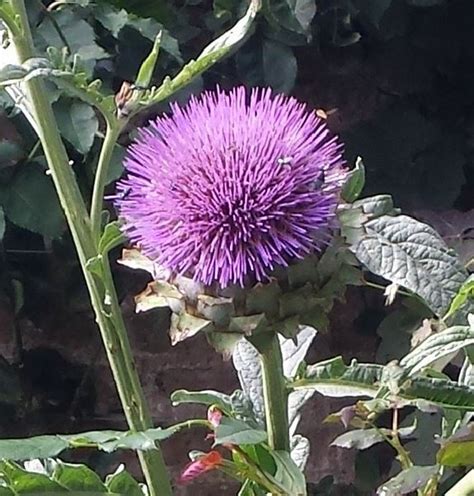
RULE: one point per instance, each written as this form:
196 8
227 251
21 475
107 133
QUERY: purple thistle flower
231 185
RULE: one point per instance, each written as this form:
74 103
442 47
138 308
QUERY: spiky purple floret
231 185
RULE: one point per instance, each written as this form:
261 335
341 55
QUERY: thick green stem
111 135
275 393
102 292
465 487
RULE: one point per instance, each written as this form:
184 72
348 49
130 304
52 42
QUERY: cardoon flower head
231 185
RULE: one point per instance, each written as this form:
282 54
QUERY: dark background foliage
394 77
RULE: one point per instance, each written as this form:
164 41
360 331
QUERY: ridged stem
275 393
111 135
102 292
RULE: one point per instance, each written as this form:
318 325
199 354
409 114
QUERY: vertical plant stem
275 393
102 292
111 135
402 454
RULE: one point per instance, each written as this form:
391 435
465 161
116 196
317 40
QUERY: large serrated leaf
299 450
438 346
335 379
247 363
412 254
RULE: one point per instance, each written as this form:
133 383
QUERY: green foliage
230 431
107 441
411 254
54 476
334 378
25 199
458 449
78 124
355 182
408 480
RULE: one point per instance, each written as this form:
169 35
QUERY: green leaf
294 15
267 62
139 440
288 474
354 183
24 482
150 29
353 216
112 19
231 431
444 393
208 398
78 123
360 439
10 153
27 199
158 9
458 450
215 51
300 449
466 291
412 254
108 441
78 33
408 480
145 74
111 237
121 482
115 169
247 363
31 448
78 477
335 379
438 346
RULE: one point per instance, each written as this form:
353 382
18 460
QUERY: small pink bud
214 415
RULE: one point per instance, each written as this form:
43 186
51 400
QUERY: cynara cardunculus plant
230 198
231 186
